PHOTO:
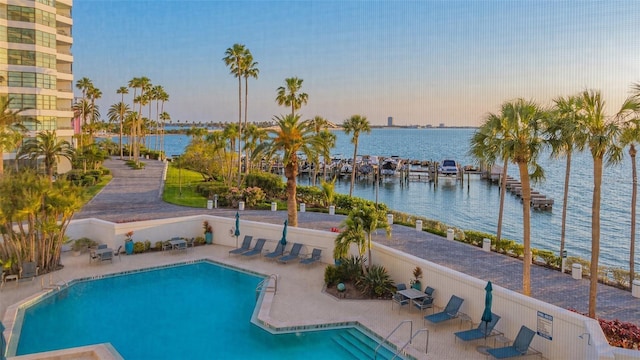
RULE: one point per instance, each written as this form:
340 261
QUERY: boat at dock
391 166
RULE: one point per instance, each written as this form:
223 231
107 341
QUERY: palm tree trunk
246 100
567 173
634 196
503 191
595 236
290 172
239 128
526 227
2 160
353 165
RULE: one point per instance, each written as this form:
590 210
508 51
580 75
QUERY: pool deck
136 195
299 300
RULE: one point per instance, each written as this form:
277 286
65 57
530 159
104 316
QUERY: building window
22 57
45 39
21 13
22 101
39 123
22 36
46 102
46 60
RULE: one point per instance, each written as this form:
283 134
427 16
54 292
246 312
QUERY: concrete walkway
135 195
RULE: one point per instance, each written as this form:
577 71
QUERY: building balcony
64 57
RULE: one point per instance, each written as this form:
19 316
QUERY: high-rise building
36 65
390 121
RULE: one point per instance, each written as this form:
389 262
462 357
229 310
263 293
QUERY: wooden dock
538 201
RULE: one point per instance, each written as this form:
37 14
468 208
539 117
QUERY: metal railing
375 355
264 284
426 346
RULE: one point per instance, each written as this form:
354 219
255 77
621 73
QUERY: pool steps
361 346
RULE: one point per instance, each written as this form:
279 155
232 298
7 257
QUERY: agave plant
375 282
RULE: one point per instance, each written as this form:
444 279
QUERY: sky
420 62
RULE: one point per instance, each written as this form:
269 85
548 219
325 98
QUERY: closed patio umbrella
486 314
283 241
237 231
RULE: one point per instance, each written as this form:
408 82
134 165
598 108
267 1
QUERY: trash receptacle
209 204
274 206
486 244
576 271
303 207
332 210
419 225
449 234
635 288
390 219
241 205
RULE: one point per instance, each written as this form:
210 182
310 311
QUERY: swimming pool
199 310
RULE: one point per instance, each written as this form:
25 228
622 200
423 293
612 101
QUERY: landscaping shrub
138 247
272 184
310 195
208 189
332 275
376 282
351 269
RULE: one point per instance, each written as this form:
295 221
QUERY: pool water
199 310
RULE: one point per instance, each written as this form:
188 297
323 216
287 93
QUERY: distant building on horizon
390 121
441 125
37 68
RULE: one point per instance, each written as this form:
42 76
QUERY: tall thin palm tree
93 93
289 137
11 128
84 85
486 146
122 90
319 124
49 148
602 134
235 60
630 136
117 113
565 137
250 70
356 124
290 95
326 142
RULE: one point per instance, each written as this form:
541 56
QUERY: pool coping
14 317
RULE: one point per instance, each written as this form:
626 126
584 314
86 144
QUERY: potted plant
128 243
417 275
208 232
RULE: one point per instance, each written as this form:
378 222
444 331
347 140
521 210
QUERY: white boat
448 168
391 166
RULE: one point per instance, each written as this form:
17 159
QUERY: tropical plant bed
350 293
619 333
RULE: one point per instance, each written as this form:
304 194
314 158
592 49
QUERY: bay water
474 205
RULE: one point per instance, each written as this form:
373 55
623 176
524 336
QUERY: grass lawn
180 188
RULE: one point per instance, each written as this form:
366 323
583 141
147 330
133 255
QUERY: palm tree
46 146
117 113
319 124
631 136
11 129
290 95
250 70
143 83
356 124
84 85
565 137
289 137
365 219
326 142
93 93
486 146
122 90
602 136
253 135
235 60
